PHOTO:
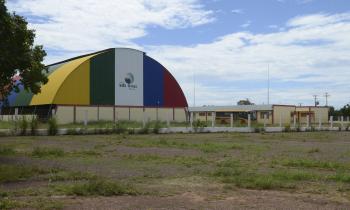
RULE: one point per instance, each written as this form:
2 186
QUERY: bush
199 125
120 128
34 124
287 128
23 126
156 127
145 129
53 127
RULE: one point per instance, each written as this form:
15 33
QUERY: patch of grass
313 150
10 173
40 152
87 153
6 203
98 188
71 176
340 177
181 160
308 163
7 151
47 204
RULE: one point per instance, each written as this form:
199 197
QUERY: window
262 114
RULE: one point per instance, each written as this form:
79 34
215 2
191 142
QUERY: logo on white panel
128 82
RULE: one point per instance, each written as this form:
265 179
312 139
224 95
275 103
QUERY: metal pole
280 121
231 120
307 121
191 119
265 120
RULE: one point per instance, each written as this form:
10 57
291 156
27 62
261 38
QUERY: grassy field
182 171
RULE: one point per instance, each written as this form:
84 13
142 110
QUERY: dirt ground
177 171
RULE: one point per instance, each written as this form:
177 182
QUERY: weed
7 151
6 203
53 127
306 163
71 176
314 150
9 173
23 126
99 187
47 152
34 124
145 129
156 127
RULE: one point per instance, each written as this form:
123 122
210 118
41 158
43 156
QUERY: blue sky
226 44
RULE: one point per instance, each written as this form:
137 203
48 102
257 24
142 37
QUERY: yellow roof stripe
56 79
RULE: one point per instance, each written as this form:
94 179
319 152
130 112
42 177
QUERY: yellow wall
122 113
76 88
91 113
284 112
320 112
106 113
56 80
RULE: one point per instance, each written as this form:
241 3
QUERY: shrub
34 124
120 128
287 128
145 129
156 127
23 125
7 151
198 125
53 127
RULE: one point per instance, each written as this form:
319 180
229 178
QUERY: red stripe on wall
173 95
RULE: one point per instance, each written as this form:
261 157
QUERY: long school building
113 84
269 114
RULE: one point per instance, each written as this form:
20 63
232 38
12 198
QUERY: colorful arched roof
120 76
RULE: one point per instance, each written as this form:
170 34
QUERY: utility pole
268 83
315 98
326 95
194 88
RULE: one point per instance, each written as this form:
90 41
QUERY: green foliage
47 152
10 173
6 203
99 187
23 126
287 128
53 127
19 55
34 124
198 125
7 151
145 129
156 127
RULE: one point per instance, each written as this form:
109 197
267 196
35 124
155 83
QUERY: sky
218 50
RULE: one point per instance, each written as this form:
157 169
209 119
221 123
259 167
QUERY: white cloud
246 24
309 57
237 11
75 25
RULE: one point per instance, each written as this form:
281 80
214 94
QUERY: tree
18 55
245 102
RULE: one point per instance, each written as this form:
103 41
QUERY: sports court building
113 84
